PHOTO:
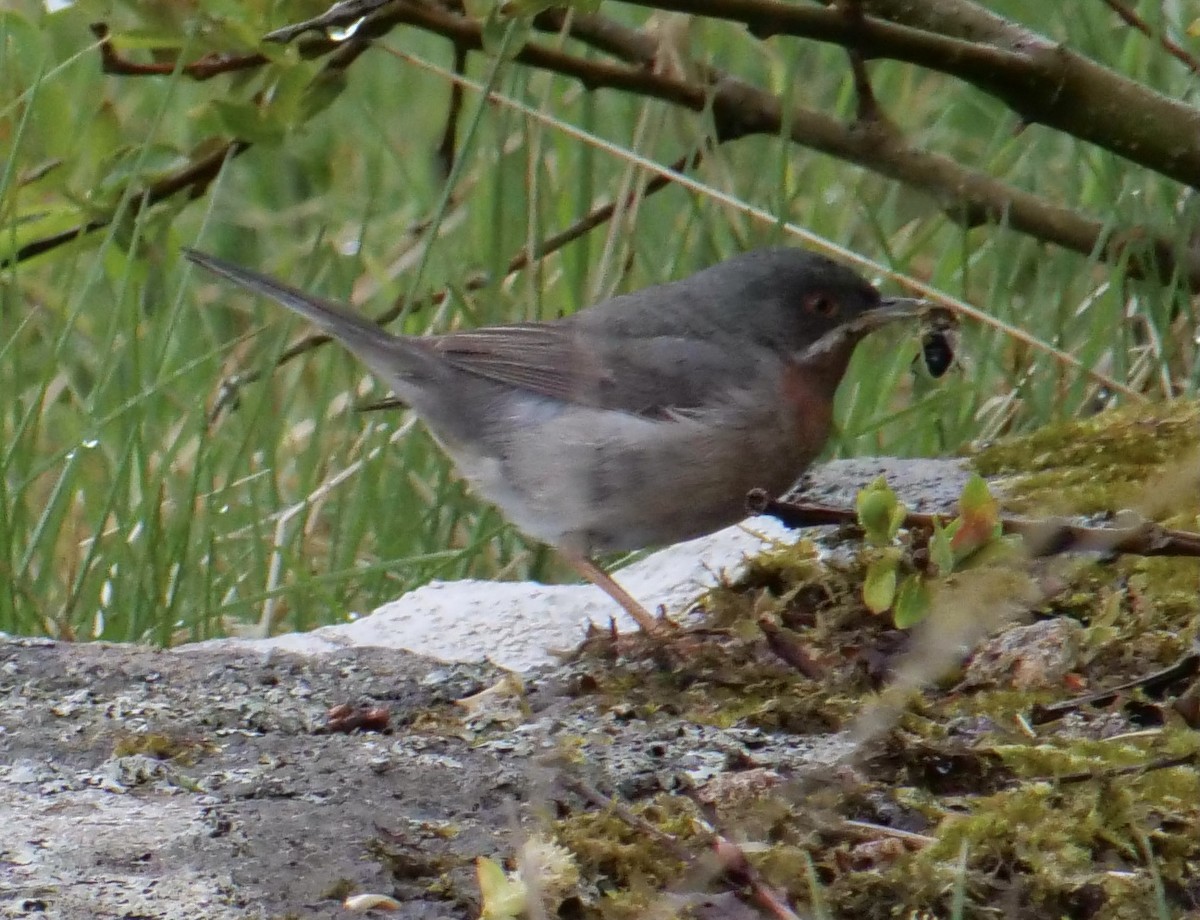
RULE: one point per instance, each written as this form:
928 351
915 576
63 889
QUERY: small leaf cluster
893 581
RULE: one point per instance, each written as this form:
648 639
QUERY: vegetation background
165 477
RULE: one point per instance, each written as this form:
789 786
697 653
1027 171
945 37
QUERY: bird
638 421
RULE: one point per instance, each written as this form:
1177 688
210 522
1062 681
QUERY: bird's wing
652 376
543 358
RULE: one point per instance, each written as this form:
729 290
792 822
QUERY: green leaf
880 512
976 498
250 122
941 549
147 40
1001 549
321 93
914 600
980 516
526 7
503 898
879 587
22 48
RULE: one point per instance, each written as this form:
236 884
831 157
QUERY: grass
127 514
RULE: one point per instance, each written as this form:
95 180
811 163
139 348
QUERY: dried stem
1051 536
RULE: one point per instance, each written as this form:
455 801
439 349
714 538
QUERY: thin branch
195 178
734 867
1186 668
445 151
740 109
1172 48
1107 776
199 174
203 68
1050 537
1042 81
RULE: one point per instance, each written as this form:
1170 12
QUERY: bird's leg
602 580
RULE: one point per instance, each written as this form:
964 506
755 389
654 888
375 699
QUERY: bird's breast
807 401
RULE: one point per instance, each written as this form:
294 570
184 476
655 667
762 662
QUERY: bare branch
1051 536
1172 48
195 178
740 109
203 68
1042 81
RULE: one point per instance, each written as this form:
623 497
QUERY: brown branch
203 68
195 178
740 109
1106 776
445 151
1049 537
867 107
790 649
1172 48
1186 668
200 173
1042 81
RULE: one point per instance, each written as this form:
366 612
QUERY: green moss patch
975 802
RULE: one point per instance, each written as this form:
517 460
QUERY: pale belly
592 481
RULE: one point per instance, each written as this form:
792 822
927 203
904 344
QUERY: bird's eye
821 305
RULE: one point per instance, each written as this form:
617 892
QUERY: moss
624 862
159 745
1096 464
1052 820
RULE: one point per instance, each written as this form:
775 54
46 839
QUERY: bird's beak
890 310
893 308
849 334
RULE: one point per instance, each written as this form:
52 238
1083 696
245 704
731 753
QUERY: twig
1172 48
1186 667
1051 536
871 829
201 173
203 68
1161 763
741 109
1042 81
445 150
195 178
787 646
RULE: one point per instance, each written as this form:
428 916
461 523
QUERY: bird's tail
384 353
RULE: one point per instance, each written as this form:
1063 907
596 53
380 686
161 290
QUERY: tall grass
128 514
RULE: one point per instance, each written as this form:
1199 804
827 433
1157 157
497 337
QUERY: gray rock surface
207 782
